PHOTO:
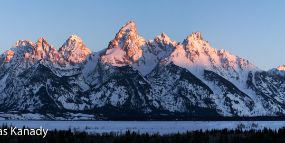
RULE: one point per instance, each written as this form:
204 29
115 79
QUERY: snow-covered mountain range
134 77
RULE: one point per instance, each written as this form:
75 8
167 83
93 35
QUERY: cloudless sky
252 29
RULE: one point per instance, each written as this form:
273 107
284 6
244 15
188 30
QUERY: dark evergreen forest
212 136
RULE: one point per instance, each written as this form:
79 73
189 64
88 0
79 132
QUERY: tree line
209 136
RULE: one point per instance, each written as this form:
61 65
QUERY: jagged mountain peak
23 43
126 37
280 71
72 42
197 54
8 55
17 52
75 37
126 47
42 40
155 51
225 53
73 51
42 43
194 36
129 27
195 42
163 38
162 42
42 50
281 68
127 32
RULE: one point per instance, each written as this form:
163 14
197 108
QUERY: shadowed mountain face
134 77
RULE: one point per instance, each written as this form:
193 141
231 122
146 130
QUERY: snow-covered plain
152 127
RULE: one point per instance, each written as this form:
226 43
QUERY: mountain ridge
135 77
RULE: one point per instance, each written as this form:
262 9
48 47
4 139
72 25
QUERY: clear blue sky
252 29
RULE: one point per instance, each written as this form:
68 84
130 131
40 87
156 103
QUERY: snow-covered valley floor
161 127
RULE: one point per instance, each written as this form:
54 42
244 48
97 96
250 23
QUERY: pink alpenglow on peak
42 43
9 55
164 40
162 46
281 68
42 50
196 55
154 52
126 47
73 51
24 43
195 36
